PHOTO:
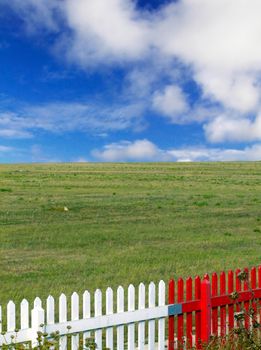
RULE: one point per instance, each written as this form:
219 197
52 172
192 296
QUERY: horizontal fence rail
137 317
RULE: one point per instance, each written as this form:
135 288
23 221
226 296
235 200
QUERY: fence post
37 323
205 311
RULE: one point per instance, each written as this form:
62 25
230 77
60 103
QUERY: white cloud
252 153
66 117
171 102
225 128
139 150
145 150
219 38
15 134
106 31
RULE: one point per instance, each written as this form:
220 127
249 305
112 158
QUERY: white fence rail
113 324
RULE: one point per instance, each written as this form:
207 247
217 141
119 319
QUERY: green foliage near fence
66 227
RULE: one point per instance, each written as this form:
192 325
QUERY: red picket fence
208 307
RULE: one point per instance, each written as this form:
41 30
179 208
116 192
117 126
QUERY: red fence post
205 311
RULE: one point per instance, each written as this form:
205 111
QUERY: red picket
180 317
238 289
259 286
230 307
253 286
246 303
214 309
189 314
171 318
206 276
222 289
205 311
197 287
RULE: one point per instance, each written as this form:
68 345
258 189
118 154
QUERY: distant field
126 223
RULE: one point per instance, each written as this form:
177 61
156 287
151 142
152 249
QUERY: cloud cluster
69 117
217 41
223 129
139 150
170 102
145 150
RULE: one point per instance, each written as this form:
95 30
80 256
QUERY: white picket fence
147 309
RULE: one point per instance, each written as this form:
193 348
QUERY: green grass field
126 223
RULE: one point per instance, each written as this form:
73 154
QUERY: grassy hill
126 223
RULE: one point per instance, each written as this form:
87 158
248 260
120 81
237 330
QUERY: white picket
120 308
161 321
141 325
37 315
131 327
50 310
10 316
98 312
37 302
86 311
62 319
151 324
109 311
74 317
24 314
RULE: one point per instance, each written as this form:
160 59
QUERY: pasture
126 223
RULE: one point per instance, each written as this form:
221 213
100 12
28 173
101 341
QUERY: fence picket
238 289
131 327
50 310
189 314
161 321
180 317
141 325
246 303
214 309
10 316
259 286
24 314
231 306
62 319
37 302
222 289
253 286
37 324
198 313
120 308
151 324
98 312
74 317
86 311
109 311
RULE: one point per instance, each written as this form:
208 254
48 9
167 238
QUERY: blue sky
122 80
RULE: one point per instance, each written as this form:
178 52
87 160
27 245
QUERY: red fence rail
209 305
